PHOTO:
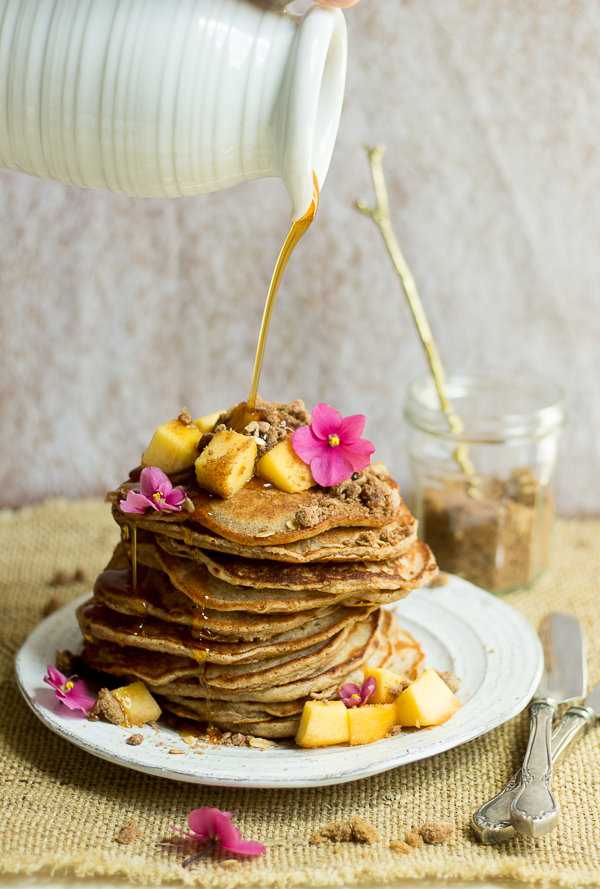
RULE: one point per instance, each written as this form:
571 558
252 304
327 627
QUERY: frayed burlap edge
136 870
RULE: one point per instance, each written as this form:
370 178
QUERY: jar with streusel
485 478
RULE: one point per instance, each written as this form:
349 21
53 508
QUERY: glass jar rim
423 411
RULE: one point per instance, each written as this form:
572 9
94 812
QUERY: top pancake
261 515
334 545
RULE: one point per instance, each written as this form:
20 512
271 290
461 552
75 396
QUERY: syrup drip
120 581
297 230
123 626
129 535
201 657
205 687
200 729
134 555
87 633
214 734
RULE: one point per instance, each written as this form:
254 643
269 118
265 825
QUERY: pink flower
156 491
332 446
212 826
357 695
73 694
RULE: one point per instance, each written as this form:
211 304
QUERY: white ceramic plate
488 644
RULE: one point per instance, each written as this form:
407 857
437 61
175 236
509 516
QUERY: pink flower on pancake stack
332 445
212 826
73 694
156 491
357 695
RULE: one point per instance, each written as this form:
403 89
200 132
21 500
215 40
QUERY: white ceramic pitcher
163 98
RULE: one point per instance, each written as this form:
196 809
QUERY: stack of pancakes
245 608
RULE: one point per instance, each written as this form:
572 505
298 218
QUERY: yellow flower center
355 697
67 686
334 440
158 497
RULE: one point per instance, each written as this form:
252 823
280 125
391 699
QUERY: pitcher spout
310 104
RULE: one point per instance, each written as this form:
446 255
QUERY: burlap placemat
61 808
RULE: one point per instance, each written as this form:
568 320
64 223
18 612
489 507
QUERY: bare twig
381 215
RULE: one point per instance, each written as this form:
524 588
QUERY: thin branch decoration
381 215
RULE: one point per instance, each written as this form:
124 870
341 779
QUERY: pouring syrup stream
295 233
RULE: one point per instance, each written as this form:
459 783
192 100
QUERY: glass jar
484 493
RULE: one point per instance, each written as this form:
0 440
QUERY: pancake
160 669
337 544
209 592
389 647
261 674
260 514
407 572
156 635
396 650
281 718
239 713
153 668
155 596
269 728
300 665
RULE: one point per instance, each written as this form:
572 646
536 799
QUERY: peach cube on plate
426 701
323 724
370 722
137 702
389 685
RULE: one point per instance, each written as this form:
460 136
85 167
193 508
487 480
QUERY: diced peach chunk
389 685
226 463
208 422
323 724
283 468
371 722
426 701
137 702
173 447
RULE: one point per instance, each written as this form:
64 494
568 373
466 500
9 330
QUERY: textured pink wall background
115 312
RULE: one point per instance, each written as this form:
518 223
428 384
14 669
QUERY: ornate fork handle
534 811
492 821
